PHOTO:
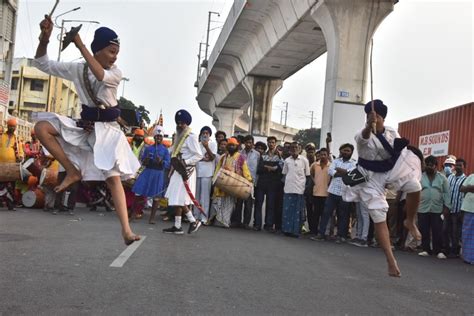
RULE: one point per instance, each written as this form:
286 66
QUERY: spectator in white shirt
204 171
296 170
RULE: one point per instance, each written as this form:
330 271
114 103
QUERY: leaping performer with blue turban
93 148
385 161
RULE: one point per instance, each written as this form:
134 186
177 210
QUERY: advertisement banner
436 144
4 93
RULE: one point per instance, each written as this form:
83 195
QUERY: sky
422 58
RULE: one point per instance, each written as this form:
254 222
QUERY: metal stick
374 124
50 15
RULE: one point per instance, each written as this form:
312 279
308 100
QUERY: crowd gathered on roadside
296 191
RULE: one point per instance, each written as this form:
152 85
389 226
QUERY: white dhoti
176 192
405 176
99 154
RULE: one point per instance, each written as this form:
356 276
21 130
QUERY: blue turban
103 37
379 107
206 128
183 116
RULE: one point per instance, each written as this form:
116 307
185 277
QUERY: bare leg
153 212
383 237
412 203
118 195
47 134
179 211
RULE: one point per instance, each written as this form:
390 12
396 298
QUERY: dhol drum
12 171
233 184
49 177
33 198
34 166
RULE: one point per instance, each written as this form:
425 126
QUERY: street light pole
204 62
312 114
286 112
124 79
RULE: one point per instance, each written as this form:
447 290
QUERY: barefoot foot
393 270
130 238
152 222
412 229
68 180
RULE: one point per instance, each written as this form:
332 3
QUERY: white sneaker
424 254
440 256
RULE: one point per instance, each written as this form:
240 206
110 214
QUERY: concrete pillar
261 91
224 119
348 26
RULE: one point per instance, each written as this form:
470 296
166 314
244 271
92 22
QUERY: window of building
14 83
40 106
36 85
11 104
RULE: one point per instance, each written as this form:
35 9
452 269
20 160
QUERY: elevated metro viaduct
263 42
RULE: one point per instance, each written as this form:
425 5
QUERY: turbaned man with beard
185 153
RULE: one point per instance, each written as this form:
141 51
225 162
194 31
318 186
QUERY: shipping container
447 132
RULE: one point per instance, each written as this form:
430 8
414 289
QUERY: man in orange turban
223 205
10 151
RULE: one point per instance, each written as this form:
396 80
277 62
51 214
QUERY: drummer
10 152
33 147
223 205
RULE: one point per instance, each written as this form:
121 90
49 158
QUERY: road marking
127 253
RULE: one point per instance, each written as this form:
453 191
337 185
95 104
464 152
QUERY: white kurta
405 175
104 152
176 192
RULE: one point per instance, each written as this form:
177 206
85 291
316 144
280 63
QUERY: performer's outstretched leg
412 203
383 238
47 134
118 195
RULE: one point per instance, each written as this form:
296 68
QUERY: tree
309 135
126 104
143 113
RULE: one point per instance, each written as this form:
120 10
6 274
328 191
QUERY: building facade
32 90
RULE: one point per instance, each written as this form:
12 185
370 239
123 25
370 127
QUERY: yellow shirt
8 148
230 163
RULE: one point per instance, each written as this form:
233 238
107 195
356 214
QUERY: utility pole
286 112
196 84
312 115
204 62
123 86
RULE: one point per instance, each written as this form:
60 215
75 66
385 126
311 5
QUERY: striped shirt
336 185
455 183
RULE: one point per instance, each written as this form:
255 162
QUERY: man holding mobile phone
204 171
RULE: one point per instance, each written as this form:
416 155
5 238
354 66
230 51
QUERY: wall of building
459 121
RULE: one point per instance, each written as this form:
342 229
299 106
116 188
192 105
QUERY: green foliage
144 113
127 104
310 135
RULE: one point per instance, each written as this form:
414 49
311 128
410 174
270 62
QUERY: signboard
4 93
435 144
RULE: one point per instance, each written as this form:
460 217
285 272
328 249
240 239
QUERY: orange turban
232 141
11 121
139 132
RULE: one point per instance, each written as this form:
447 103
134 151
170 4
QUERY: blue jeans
335 202
270 190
